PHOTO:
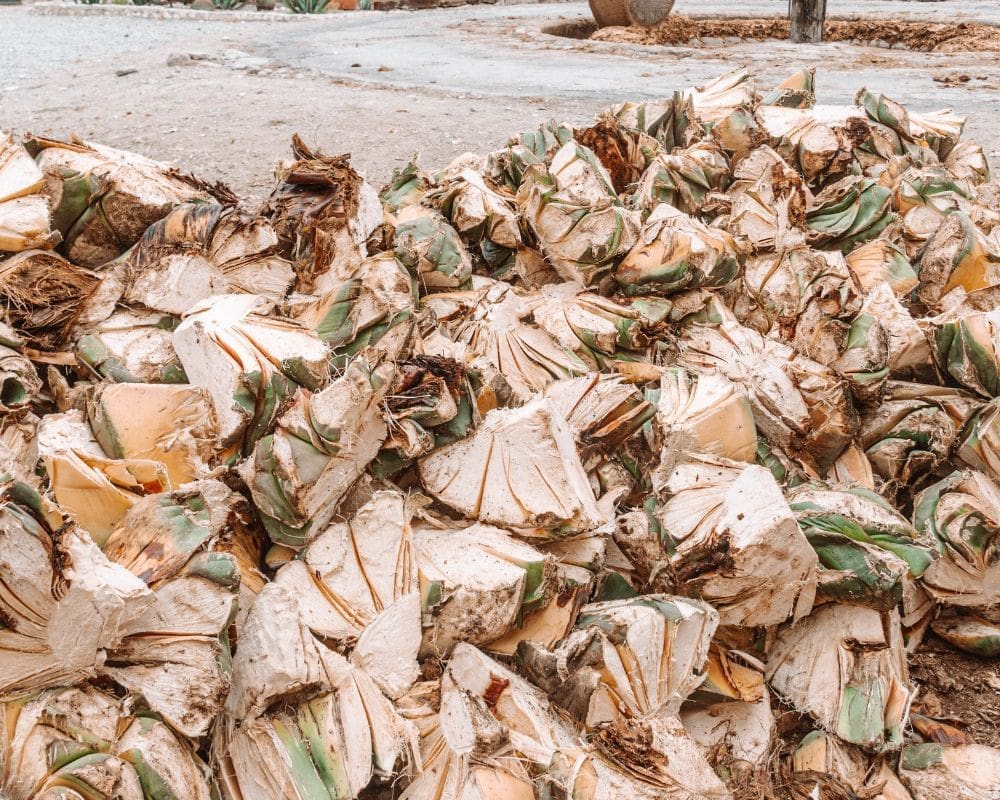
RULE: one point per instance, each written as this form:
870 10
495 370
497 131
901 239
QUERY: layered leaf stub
24 210
727 521
520 469
310 723
64 604
866 550
798 405
845 665
959 516
571 206
250 363
82 743
202 249
103 199
319 448
627 659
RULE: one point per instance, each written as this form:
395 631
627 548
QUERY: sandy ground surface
387 85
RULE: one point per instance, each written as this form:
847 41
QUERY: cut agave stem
712 506
939 770
846 667
172 424
250 363
571 205
908 438
64 604
24 209
520 469
959 516
103 199
130 347
676 252
186 547
320 446
867 551
627 659
78 743
477 584
798 405
201 249
979 441
303 718
967 347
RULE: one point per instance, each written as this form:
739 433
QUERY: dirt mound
947 679
928 37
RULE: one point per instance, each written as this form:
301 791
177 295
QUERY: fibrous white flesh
519 469
472 582
56 635
845 666
170 423
226 341
660 659
770 574
961 772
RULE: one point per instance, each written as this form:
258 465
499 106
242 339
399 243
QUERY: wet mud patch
904 35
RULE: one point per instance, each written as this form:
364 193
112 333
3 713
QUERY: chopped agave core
845 666
519 469
769 574
249 362
24 210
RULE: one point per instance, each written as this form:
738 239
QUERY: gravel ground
385 86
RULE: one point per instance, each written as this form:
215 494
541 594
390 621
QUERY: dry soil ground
387 85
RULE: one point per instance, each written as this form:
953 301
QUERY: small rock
121 73
179 60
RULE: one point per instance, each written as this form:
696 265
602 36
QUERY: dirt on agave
957 688
924 36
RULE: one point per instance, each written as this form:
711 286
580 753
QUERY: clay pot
646 13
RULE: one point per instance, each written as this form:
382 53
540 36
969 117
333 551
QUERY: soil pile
928 37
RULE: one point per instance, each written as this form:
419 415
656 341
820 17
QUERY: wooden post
807 18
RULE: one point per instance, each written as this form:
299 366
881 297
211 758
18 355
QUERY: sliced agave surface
519 469
846 667
77 743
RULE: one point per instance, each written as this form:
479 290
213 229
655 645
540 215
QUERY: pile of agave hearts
560 473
